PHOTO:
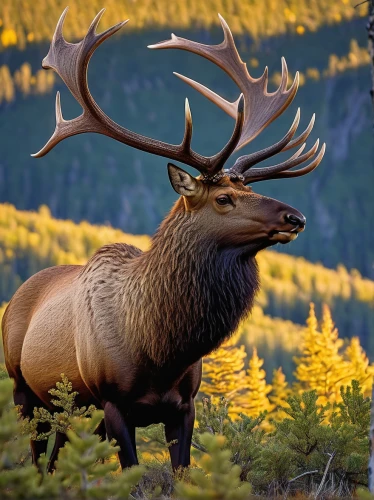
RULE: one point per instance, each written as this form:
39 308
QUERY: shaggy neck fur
192 294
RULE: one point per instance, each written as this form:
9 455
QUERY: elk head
227 209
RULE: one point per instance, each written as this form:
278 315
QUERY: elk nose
296 220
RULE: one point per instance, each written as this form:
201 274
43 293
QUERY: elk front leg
60 441
181 430
124 434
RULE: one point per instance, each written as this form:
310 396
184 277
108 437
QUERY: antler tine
277 171
230 147
61 130
219 159
228 107
302 137
247 161
186 143
70 61
256 97
305 170
295 160
243 163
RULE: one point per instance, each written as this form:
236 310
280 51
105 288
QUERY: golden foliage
24 81
254 398
359 368
35 21
223 372
323 367
8 37
280 391
356 57
50 241
7 91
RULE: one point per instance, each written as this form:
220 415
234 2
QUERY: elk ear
183 183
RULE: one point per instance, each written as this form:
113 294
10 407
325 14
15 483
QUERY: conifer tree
82 463
321 366
83 466
12 446
218 478
310 350
223 374
254 398
59 421
279 392
359 366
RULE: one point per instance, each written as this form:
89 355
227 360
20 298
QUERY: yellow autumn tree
320 365
223 372
254 397
279 392
359 366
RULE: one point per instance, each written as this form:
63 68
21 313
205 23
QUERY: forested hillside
93 178
35 22
30 241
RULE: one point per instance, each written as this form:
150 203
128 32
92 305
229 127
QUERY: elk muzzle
294 223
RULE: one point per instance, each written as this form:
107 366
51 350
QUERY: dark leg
27 400
181 430
61 439
38 447
101 431
124 434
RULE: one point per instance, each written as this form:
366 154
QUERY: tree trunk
371 437
370 28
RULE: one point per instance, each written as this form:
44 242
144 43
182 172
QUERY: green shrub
316 450
218 478
61 420
84 469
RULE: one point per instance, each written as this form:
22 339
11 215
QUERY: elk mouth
283 236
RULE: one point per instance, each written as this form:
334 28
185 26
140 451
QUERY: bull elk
130 328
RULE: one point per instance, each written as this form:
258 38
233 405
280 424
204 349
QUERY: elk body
129 329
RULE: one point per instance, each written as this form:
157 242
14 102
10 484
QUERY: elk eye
223 199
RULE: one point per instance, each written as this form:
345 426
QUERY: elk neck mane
189 294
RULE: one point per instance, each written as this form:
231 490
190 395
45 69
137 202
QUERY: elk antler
253 110
70 61
260 107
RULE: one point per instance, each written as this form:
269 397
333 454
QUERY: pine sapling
218 478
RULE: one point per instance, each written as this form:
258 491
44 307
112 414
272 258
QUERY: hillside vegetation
29 22
23 82
30 241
